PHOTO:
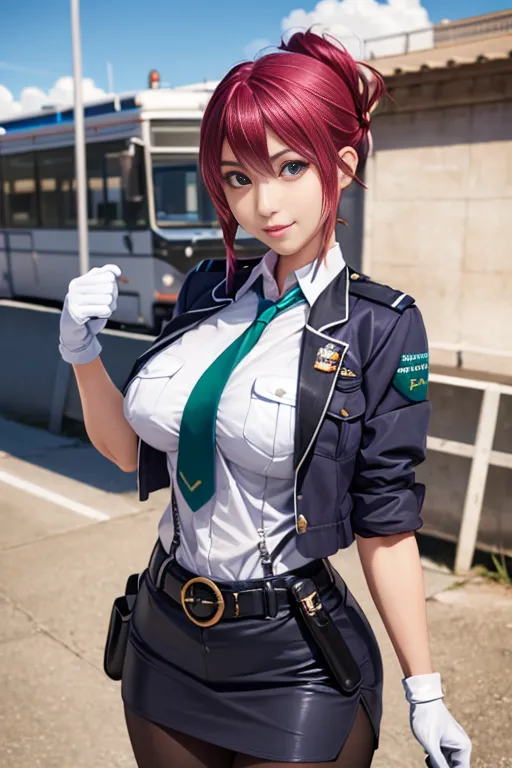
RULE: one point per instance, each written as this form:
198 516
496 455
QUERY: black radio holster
118 629
328 639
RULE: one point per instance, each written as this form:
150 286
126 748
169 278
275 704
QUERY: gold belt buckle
189 598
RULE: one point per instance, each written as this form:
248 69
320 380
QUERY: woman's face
291 197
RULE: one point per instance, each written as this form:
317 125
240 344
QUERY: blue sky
186 41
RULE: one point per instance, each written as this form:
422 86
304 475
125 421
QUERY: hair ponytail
364 83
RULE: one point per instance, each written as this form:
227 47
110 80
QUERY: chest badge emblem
347 373
327 358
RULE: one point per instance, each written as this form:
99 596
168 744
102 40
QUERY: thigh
156 746
357 751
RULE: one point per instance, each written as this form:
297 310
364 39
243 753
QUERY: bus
148 210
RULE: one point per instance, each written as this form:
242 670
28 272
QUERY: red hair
315 97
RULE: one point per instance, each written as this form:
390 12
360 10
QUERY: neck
288 263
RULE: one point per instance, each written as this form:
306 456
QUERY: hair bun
365 83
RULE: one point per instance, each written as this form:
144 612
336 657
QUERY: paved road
71 530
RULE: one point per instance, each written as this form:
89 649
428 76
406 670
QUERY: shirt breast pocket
150 382
340 434
270 421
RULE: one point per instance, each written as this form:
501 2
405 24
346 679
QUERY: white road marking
54 498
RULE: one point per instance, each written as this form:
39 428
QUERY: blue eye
295 167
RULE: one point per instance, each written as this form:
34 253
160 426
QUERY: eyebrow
274 157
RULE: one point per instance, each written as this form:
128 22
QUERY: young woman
285 406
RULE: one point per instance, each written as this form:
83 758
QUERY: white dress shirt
254 474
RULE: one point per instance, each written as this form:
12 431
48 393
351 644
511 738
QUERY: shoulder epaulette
363 287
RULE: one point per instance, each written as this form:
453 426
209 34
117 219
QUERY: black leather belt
206 603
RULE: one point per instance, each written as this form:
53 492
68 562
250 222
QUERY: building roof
466 51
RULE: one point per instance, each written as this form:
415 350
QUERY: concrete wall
438 225
32 372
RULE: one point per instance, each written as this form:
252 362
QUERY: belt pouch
118 630
337 655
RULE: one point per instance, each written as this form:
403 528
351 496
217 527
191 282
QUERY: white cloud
255 47
32 99
8 107
353 21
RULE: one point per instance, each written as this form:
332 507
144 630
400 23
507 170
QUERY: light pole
80 165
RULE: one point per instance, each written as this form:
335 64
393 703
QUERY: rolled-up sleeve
385 495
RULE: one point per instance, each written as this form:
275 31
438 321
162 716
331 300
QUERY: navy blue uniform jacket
357 437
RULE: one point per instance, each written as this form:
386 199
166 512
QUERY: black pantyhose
157 747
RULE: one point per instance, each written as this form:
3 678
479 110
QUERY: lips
277 228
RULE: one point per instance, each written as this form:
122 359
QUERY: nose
267 199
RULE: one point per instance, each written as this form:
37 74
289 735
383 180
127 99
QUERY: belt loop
161 571
270 599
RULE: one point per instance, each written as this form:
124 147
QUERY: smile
277 231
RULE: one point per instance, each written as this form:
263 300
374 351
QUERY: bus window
114 213
120 212
175 133
136 211
176 190
56 170
20 190
69 202
206 206
95 185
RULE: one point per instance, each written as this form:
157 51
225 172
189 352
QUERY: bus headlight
167 280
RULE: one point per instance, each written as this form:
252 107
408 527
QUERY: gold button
302 524
300 497
344 412
280 392
355 276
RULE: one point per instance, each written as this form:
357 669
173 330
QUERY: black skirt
255 686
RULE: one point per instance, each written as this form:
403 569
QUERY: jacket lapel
319 365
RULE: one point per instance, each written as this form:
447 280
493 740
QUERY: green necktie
196 447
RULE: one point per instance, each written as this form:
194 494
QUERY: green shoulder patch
411 377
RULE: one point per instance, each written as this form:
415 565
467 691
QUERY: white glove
443 739
91 295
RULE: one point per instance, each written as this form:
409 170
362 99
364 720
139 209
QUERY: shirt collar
313 278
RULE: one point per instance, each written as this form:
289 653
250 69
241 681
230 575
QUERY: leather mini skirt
257 685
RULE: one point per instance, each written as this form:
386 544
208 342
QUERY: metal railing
388 45
438 34
482 456
491 24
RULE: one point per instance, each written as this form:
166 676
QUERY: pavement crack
42 629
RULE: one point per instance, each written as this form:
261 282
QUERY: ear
349 158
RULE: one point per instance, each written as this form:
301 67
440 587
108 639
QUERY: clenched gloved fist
443 739
91 295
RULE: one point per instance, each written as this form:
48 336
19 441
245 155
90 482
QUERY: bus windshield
180 196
